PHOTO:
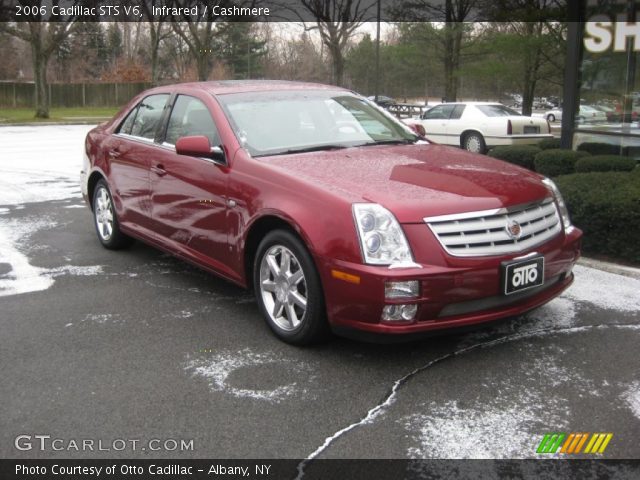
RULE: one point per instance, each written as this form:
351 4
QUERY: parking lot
135 344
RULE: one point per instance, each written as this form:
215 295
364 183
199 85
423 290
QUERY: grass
62 115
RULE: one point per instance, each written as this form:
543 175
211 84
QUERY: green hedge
598 148
605 163
554 162
521 155
549 143
606 206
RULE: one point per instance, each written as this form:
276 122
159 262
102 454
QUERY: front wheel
105 219
551 117
474 142
288 289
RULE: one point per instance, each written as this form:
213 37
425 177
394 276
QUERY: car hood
415 181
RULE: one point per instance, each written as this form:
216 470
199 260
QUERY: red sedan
338 216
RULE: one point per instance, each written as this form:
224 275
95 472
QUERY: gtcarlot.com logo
574 443
49 443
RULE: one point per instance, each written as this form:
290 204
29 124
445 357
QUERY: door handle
114 153
159 170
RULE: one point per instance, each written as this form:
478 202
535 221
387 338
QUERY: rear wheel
551 117
288 289
105 219
474 142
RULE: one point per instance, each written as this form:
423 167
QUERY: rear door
130 152
189 193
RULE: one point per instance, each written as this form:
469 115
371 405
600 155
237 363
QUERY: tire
551 117
474 142
105 219
291 301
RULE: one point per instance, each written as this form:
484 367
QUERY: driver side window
189 117
441 112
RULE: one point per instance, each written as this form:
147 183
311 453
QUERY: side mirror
199 146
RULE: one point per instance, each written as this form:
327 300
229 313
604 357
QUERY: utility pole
377 84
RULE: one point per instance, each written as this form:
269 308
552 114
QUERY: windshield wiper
389 142
315 148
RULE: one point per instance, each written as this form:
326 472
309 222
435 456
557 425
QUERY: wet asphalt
139 345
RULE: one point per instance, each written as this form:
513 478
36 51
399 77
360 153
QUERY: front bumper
458 293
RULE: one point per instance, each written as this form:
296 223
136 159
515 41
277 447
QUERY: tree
539 36
90 47
158 31
337 21
452 14
43 38
114 42
240 49
295 59
200 34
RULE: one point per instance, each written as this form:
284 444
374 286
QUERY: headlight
564 213
381 239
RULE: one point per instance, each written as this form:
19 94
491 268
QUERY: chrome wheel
283 288
103 213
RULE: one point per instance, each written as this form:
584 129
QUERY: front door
189 193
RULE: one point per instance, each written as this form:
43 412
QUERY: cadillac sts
338 216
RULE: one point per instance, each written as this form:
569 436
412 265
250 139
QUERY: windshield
497 110
271 123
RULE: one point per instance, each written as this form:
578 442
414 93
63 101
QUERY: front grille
485 233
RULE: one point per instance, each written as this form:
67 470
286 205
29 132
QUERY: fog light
409 289
395 313
409 311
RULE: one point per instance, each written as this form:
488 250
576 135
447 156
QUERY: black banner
289 10
318 469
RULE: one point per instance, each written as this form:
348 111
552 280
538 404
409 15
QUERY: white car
477 126
585 114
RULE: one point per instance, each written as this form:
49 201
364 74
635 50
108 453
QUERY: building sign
601 34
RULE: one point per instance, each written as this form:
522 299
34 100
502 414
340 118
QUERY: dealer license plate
522 274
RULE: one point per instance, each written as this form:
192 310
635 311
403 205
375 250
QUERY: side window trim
159 128
161 133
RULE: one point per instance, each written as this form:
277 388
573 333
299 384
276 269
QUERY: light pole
377 84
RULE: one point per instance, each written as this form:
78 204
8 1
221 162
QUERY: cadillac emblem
513 228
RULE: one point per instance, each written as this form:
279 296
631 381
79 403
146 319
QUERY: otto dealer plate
523 274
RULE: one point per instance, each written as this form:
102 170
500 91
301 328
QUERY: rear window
496 110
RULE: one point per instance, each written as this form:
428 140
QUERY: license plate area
522 274
531 129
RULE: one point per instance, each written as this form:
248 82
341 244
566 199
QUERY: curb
631 272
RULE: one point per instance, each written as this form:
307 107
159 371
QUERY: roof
222 87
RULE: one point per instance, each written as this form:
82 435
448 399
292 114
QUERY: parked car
477 126
336 214
586 114
383 101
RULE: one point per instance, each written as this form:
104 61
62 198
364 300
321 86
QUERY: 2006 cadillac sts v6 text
340 217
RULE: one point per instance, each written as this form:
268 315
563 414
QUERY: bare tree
450 37
158 31
43 38
337 21
200 34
